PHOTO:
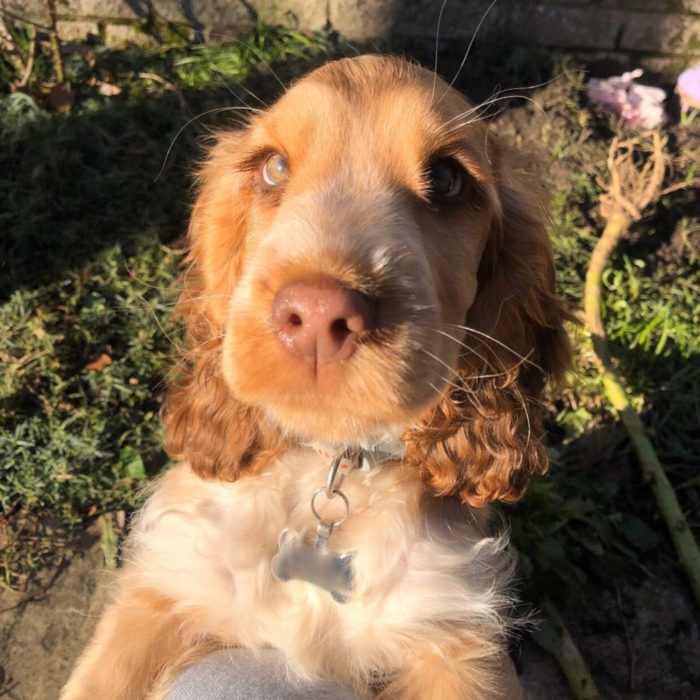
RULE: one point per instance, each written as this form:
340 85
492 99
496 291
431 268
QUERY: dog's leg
136 639
448 677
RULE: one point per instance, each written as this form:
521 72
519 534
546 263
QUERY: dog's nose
320 322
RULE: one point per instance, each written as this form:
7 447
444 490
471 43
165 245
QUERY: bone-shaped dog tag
296 560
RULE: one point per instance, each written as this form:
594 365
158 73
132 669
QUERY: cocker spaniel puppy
371 318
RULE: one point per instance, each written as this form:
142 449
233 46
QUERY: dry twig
50 6
30 59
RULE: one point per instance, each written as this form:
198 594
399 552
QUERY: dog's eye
446 179
275 170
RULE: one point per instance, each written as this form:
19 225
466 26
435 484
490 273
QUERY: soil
43 629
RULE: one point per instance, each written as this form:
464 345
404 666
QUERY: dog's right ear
205 424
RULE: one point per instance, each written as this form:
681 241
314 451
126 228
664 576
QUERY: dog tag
296 560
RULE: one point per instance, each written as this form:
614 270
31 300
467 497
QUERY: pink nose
320 321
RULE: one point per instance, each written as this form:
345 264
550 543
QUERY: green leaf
638 533
108 542
132 462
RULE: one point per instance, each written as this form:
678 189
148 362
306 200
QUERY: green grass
90 211
593 517
91 214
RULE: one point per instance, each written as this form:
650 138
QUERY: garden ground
94 201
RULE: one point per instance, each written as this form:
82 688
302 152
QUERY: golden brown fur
467 330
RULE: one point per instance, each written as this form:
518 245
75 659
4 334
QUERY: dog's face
363 194
365 257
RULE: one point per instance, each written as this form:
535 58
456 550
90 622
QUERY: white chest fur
418 563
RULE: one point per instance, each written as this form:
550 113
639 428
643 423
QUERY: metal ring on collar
336 492
331 486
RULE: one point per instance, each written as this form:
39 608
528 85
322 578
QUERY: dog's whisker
487 363
485 105
461 386
501 94
469 48
437 44
522 358
473 351
197 117
233 93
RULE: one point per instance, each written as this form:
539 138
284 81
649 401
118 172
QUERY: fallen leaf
108 89
61 97
104 360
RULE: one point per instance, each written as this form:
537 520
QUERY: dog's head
365 257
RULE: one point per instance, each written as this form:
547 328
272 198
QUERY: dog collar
365 457
316 565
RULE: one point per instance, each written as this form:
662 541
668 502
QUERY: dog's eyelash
250 162
465 187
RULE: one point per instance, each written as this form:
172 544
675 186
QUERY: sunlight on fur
368 266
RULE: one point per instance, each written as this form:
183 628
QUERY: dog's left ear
482 439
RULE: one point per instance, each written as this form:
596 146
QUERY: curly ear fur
482 440
204 423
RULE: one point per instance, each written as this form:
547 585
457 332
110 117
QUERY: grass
86 268
92 212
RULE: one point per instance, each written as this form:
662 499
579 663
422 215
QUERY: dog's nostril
320 321
340 328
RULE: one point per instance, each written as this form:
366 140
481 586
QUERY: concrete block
202 13
566 27
646 5
307 16
103 9
362 19
77 30
29 10
462 21
666 65
121 34
691 5
652 32
605 63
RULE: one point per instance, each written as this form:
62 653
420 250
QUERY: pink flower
637 105
688 87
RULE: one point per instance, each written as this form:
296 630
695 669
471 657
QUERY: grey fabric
239 674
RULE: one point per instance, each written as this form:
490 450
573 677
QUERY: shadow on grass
74 184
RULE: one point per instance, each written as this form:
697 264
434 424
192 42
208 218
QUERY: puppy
371 319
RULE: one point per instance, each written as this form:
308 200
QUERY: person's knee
240 674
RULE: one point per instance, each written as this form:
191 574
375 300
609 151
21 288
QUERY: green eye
445 178
275 170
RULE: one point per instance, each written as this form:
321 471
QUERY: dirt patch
642 641
43 630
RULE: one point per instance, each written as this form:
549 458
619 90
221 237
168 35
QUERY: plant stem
654 474
553 636
54 41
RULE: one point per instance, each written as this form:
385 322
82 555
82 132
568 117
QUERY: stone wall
644 31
